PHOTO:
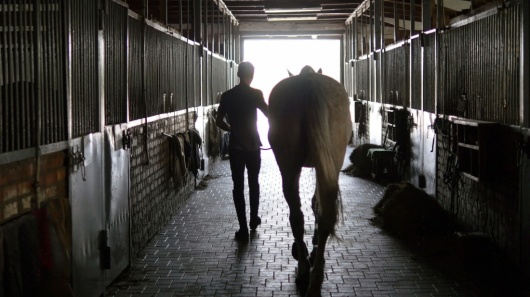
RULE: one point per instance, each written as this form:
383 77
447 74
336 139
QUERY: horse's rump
300 105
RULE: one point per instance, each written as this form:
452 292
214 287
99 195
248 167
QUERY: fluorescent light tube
292 10
276 19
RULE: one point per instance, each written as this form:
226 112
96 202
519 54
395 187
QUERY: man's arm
221 123
263 106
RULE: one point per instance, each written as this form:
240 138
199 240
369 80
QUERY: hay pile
361 164
411 214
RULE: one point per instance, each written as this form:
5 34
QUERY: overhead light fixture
292 10
285 19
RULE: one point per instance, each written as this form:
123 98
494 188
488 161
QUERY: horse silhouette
310 126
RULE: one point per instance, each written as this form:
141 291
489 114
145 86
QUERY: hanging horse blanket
195 152
214 137
185 155
178 165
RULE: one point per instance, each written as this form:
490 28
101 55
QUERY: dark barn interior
96 98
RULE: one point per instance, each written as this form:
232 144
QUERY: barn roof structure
297 17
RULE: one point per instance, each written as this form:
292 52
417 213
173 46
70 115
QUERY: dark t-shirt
241 104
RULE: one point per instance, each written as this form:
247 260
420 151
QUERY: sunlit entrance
272 58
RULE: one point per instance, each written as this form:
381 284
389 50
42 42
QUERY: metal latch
126 139
77 161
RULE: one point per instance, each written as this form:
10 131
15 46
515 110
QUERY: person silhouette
240 105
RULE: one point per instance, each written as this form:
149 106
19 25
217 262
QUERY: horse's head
306 69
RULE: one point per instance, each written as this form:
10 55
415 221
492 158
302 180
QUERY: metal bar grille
376 83
348 79
165 80
429 72
174 87
206 76
52 80
17 88
180 77
194 87
84 68
415 101
395 67
135 71
153 62
31 74
362 74
170 65
164 73
220 78
190 78
479 69
115 36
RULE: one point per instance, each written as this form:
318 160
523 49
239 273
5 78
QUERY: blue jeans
251 160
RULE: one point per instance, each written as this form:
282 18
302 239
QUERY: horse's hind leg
296 218
325 227
317 273
314 241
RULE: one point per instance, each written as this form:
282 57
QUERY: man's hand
220 122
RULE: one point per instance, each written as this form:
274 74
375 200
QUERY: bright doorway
273 57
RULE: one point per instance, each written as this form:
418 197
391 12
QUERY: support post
440 23
412 17
524 83
396 22
354 38
524 101
377 24
426 17
197 21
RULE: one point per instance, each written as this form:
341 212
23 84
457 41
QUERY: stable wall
82 121
463 88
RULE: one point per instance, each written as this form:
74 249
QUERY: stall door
87 198
116 256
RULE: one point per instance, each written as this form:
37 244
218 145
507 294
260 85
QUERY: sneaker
242 234
254 223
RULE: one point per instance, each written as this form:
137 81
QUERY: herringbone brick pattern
196 254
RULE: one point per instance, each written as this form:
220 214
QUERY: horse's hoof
312 292
302 283
309 294
294 251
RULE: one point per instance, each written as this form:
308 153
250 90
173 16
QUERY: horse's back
290 96
296 103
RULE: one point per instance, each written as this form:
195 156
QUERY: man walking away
240 105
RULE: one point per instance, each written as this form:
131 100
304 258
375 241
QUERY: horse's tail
324 157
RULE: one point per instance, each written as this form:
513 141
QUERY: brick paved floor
196 254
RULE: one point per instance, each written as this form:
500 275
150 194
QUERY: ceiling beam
291 4
256 27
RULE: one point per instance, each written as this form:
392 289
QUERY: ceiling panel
269 16
264 10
